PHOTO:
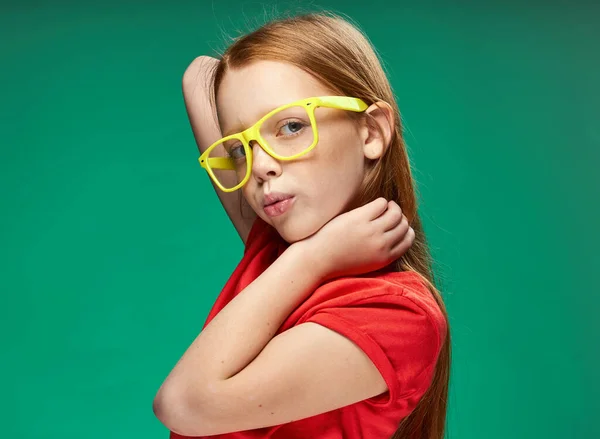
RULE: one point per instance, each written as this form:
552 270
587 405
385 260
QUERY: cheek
334 176
249 194
341 163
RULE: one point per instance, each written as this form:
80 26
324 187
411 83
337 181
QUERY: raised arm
206 131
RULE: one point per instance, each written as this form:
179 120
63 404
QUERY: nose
264 166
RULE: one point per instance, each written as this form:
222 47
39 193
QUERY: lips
277 203
275 197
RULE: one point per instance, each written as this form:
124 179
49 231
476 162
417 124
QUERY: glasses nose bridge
262 161
251 133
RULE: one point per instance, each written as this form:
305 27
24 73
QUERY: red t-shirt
391 316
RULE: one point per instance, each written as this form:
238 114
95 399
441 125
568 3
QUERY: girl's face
321 183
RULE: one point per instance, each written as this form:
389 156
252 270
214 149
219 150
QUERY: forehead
248 93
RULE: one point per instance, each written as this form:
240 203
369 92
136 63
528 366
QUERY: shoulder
393 317
387 296
355 289
415 288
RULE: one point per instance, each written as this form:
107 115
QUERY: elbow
178 413
168 411
199 68
159 407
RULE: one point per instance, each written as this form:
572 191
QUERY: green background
114 244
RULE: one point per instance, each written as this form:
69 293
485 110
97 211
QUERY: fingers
397 232
404 244
387 218
375 208
390 219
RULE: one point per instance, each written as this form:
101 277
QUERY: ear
377 130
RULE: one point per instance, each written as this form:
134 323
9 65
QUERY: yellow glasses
285 133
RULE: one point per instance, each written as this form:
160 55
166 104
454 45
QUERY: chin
294 231
294 235
299 224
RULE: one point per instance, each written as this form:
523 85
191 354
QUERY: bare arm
238 375
206 131
233 379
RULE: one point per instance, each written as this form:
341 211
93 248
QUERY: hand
362 240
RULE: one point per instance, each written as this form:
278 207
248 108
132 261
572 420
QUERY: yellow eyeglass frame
253 133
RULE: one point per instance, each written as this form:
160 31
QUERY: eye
237 152
295 126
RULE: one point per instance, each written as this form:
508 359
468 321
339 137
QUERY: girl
330 326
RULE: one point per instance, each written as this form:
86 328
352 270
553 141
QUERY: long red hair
335 51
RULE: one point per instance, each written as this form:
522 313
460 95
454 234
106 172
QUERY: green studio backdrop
114 245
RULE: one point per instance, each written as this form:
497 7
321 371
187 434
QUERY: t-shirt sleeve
401 334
